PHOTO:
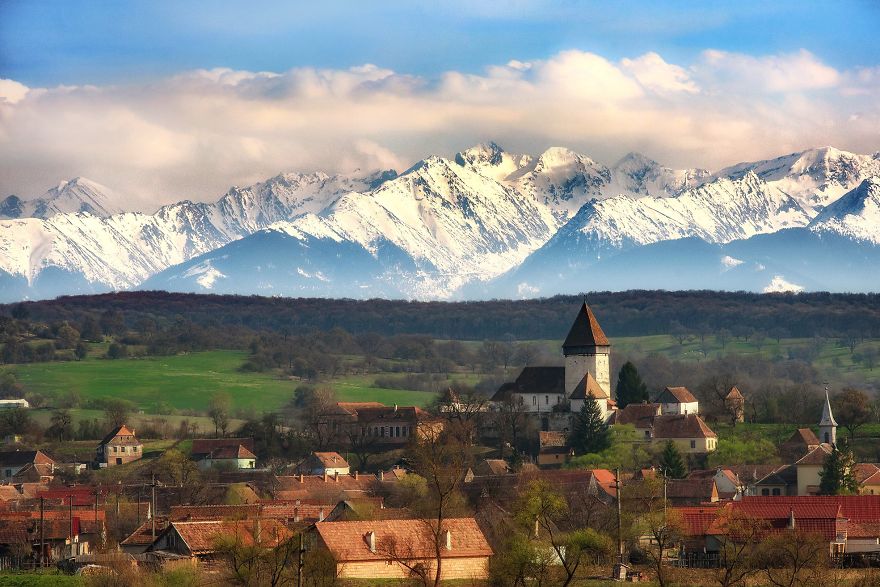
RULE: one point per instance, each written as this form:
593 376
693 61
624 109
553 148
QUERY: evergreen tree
630 387
671 463
590 433
837 476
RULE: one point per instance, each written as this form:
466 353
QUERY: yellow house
808 469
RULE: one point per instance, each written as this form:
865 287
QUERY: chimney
791 519
321 515
448 538
381 475
355 475
302 478
336 476
325 475
371 541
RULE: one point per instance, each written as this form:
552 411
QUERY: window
546 400
776 491
404 430
534 400
693 444
765 492
647 434
397 430
383 430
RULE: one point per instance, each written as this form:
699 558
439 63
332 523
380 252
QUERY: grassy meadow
186 382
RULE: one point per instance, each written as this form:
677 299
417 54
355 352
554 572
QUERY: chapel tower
827 426
587 350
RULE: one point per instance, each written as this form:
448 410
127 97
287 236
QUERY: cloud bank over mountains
193 134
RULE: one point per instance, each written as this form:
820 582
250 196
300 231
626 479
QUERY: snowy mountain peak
640 175
816 177
77 195
855 215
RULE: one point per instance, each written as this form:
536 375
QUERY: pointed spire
827 416
585 332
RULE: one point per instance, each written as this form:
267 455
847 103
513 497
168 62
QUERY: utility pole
70 514
139 507
619 517
153 512
42 537
299 564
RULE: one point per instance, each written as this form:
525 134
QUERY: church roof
588 386
827 417
585 331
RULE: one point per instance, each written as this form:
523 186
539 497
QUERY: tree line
631 313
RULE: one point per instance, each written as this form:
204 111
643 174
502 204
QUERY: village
460 502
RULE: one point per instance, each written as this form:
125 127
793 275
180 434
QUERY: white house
677 401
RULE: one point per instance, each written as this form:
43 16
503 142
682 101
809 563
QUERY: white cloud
194 134
657 75
12 91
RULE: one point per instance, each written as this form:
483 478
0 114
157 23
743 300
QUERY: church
552 395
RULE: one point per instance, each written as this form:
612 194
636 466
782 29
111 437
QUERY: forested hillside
632 313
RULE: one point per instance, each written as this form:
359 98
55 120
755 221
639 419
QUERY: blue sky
166 100
77 42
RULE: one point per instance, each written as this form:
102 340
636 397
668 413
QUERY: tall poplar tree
589 432
630 387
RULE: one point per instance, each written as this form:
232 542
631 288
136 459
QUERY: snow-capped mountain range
484 223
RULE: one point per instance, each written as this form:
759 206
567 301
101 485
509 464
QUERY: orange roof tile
585 331
347 541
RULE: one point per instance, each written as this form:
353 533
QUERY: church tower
587 350
827 426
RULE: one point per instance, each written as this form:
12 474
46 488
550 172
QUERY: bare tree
442 460
794 558
740 538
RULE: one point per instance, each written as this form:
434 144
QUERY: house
199 539
383 426
726 481
691 492
849 524
677 401
868 476
390 549
226 453
589 387
688 431
62 536
779 482
324 489
26 465
11 404
119 447
553 450
321 463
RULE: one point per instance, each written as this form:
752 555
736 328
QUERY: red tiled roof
230 452
331 460
701 520
816 456
347 541
859 508
204 446
676 394
681 426
588 386
585 331
803 436
864 471
121 431
551 438
353 407
639 415
143 534
202 536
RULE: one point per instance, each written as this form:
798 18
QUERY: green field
187 382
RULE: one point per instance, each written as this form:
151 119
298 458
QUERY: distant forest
632 313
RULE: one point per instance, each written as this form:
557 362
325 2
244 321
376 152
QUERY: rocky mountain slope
487 222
